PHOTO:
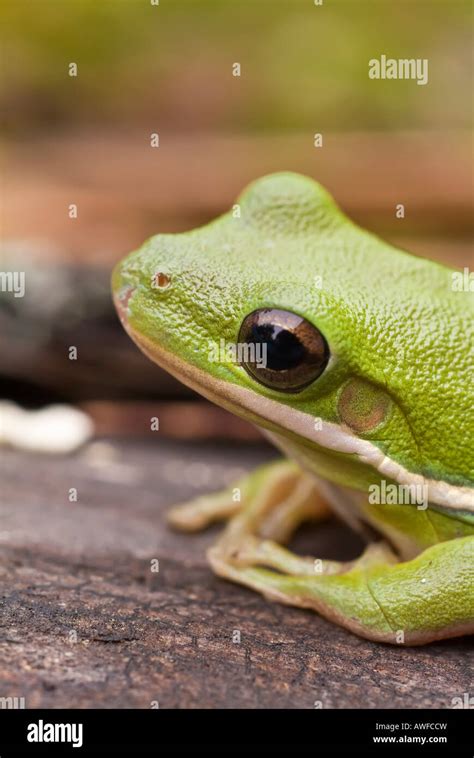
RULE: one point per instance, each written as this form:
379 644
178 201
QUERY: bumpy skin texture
389 317
400 340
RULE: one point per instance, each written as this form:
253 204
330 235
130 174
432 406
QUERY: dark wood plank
86 623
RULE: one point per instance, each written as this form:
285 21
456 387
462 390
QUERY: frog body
355 358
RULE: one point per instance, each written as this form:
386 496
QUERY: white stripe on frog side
277 416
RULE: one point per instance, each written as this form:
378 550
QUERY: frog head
288 314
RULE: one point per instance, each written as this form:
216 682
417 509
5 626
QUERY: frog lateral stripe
333 437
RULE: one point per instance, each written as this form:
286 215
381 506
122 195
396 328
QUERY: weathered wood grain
85 622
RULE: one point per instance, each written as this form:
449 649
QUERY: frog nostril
160 280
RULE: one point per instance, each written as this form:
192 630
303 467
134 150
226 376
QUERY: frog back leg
377 596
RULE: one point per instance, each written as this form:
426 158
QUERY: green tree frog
355 358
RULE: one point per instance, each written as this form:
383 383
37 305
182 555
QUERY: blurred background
167 69
85 478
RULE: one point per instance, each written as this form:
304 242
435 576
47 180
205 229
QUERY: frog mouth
275 417
121 300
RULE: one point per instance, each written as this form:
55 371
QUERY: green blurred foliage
170 66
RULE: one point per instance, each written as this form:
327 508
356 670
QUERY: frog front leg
276 496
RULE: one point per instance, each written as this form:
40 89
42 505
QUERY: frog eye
284 351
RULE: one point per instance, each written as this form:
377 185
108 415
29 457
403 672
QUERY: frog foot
375 596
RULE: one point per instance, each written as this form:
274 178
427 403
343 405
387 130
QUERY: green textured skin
390 319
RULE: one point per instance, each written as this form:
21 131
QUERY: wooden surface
86 623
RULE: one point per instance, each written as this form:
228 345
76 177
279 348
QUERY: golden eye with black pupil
285 352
